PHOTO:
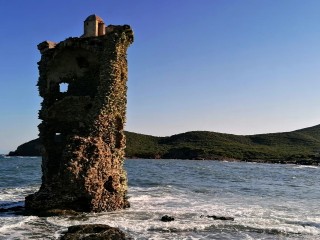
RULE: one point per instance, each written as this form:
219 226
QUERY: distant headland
296 147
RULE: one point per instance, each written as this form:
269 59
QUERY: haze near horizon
240 67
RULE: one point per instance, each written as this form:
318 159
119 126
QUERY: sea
267 201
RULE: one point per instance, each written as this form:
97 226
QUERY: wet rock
167 218
94 232
16 209
51 213
223 218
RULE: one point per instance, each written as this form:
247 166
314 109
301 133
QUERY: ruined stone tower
83 85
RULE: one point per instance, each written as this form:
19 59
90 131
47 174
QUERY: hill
300 146
31 148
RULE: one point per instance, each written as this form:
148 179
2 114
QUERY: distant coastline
296 147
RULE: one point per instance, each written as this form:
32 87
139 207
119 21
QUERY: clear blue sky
242 67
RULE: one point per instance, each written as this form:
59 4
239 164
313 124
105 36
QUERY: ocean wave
305 166
16 194
271 210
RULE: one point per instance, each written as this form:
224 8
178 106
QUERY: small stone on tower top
94 26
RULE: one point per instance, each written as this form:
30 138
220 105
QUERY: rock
219 217
16 209
44 46
167 218
20 210
94 232
51 212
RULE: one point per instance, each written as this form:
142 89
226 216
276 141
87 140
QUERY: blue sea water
267 201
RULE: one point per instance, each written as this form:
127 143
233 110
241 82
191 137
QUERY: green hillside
288 147
300 146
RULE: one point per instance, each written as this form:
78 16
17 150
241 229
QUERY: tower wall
91 28
82 126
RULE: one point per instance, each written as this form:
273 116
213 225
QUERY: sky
241 67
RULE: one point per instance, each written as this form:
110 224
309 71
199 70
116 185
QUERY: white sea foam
15 194
306 166
15 227
279 213
142 220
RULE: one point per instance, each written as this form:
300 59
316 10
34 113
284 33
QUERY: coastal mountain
300 146
31 148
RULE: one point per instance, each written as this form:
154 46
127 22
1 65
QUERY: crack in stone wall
82 126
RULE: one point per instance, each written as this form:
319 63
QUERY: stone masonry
83 85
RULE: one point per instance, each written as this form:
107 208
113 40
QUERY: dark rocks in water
16 209
20 210
167 218
94 231
51 212
219 217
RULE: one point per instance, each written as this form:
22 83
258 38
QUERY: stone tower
94 26
83 85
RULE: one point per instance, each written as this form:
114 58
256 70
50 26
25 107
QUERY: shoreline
310 162
307 162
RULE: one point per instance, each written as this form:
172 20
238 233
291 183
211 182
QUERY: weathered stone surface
82 125
44 46
94 231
